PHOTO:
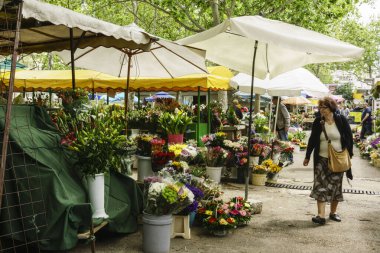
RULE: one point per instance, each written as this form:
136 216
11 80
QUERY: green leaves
174 123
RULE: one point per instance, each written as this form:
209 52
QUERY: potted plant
95 146
175 124
273 172
136 120
162 198
259 173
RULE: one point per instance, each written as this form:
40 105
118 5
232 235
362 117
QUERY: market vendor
283 119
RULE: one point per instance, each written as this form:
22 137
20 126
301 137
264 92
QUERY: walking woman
328 185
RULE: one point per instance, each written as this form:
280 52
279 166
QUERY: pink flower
234 212
225 206
243 213
238 206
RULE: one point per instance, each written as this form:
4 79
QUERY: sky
367 11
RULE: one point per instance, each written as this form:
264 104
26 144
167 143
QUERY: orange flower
231 220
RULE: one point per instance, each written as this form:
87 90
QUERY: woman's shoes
319 220
335 217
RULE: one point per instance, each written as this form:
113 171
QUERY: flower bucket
156 233
276 158
272 177
376 162
135 132
175 138
253 160
192 217
144 167
220 233
96 193
259 179
214 173
296 149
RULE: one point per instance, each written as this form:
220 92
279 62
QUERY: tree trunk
215 12
135 7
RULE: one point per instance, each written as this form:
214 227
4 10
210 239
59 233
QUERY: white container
156 233
96 193
276 158
296 148
214 173
253 160
135 132
144 167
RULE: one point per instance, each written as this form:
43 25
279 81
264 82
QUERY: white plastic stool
181 226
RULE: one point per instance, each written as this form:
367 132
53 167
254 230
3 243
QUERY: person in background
366 121
237 109
283 120
346 112
216 122
328 185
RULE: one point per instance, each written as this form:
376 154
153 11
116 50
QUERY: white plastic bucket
214 173
96 193
144 167
156 233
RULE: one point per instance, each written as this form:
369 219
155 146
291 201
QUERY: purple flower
198 193
375 142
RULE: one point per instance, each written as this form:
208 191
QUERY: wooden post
7 122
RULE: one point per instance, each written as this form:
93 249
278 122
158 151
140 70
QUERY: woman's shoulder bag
338 161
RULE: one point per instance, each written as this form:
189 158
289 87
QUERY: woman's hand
305 162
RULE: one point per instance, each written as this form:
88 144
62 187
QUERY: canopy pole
50 94
127 90
72 51
198 115
208 111
108 98
138 99
270 118
33 94
275 119
93 91
7 121
250 120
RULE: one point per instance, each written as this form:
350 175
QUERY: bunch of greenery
97 143
174 123
260 122
136 119
231 117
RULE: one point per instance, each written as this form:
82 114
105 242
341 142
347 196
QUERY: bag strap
324 131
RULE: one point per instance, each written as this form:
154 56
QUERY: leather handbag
338 161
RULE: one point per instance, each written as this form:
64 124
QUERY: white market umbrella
296 101
165 59
258 46
292 83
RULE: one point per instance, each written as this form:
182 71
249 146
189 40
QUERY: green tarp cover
52 203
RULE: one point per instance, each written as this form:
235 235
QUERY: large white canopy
291 83
281 46
46 27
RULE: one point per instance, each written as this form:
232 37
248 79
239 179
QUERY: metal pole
275 119
7 122
72 58
50 93
250 120
108 99
126 91
138 99
208 111
198 114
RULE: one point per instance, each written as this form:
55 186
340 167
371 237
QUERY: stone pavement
285 223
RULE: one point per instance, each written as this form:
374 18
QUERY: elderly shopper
328 185
283 119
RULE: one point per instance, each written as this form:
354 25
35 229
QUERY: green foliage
98 142
345 90
231 116
174 123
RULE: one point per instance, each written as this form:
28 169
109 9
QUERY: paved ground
285 223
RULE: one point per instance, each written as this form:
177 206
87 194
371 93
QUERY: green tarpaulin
51 203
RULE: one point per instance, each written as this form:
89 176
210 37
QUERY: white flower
156 188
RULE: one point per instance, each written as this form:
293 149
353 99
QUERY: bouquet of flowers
144 147
198 195
157 144
215 156
215 216
260 169
160 159
214 140
239 209
177 149
165 196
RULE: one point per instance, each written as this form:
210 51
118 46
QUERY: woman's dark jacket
345 136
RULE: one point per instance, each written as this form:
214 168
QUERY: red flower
212 220
220 211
